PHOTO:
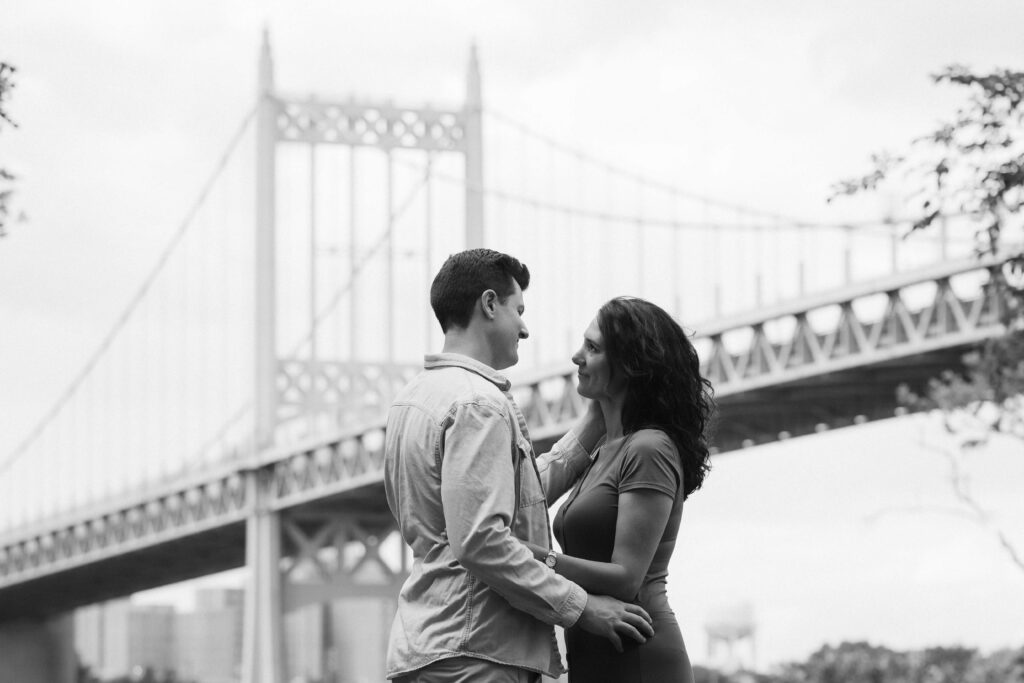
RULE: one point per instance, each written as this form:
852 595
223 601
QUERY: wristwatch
552 559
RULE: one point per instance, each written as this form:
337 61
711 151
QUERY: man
463 483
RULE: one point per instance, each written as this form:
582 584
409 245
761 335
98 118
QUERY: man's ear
488 303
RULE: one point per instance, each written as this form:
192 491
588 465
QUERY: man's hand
612 619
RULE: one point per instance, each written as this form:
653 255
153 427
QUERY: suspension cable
775 217
605 216
393 217
627 174
136 300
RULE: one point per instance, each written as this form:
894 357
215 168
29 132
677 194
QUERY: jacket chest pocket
530 490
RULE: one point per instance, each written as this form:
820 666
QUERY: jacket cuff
572 608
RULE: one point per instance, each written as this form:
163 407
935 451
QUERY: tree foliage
861 662
6 85
971 167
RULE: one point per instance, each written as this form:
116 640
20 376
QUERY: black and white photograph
607 342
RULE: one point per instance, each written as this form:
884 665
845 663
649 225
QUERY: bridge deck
769 387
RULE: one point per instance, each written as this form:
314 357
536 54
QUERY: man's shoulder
451 386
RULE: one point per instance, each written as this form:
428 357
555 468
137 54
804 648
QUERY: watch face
550 560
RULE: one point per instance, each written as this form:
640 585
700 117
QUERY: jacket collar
457 360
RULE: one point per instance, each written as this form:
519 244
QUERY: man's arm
478 496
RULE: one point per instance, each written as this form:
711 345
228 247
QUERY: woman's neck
611 408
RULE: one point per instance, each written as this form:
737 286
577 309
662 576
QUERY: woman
618 526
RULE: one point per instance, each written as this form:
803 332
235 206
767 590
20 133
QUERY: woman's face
597 378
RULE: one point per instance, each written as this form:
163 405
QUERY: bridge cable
679 192
627 174
393 216
608 217
136 300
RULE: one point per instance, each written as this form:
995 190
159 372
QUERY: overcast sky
124 107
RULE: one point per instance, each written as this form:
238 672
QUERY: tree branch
960 483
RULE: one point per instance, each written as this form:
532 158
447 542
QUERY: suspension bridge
232 417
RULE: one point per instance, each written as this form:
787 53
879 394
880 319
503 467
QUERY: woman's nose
577 357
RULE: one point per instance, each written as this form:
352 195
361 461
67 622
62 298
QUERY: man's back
461 481
417 422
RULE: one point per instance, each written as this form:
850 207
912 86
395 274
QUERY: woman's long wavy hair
664 387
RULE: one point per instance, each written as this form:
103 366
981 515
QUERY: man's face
508 329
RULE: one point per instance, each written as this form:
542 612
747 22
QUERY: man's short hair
468 274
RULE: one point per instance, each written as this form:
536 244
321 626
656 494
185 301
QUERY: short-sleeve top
585 523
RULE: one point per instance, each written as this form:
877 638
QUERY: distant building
306 636
342 640
209 640
117 637
89 636
360 630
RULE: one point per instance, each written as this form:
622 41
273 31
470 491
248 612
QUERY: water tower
731 632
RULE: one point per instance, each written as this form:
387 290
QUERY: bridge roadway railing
780 358
864 323
837 358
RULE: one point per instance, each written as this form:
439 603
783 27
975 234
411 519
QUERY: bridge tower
279 540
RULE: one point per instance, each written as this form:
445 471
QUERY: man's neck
462 342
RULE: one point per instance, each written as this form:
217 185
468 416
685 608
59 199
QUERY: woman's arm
643 515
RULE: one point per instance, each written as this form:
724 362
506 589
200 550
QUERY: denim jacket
454 449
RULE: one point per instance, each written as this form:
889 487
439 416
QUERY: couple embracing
471 498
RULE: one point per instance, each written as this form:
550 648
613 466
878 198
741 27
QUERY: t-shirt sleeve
651 461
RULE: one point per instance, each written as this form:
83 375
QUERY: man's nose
523 332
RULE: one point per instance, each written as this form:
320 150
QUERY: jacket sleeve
562 466
478 497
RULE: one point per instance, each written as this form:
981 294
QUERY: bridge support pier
40 651
263 644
